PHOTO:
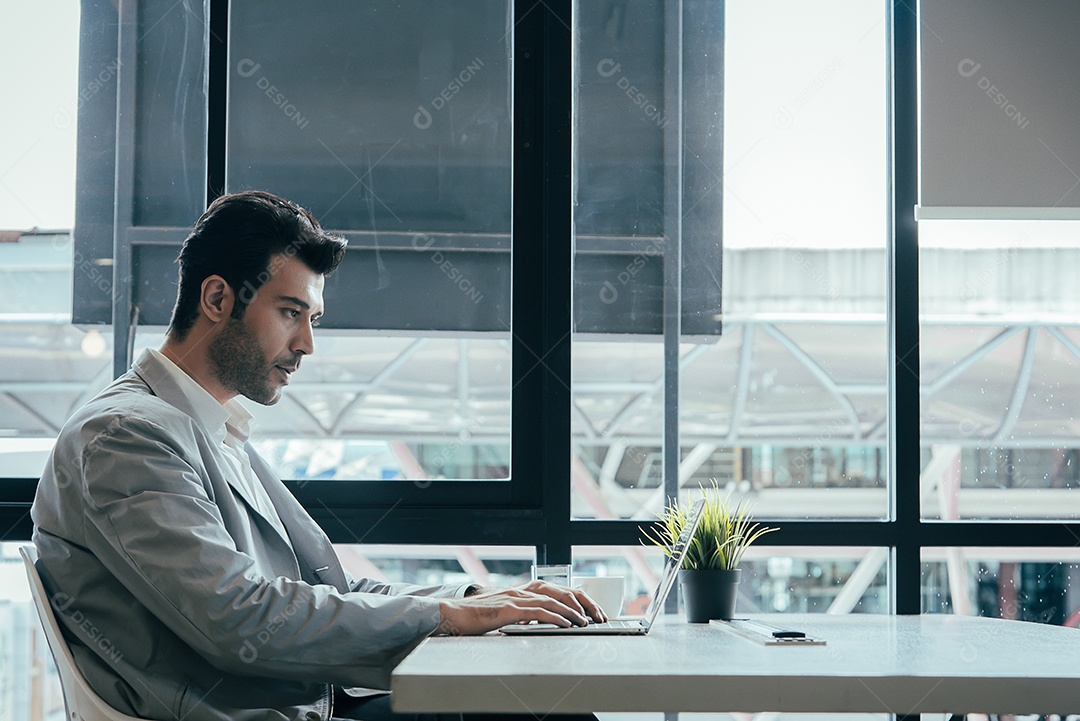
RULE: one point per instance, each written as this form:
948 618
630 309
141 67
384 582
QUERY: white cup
605 590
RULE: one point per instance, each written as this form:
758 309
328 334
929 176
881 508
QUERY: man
189 583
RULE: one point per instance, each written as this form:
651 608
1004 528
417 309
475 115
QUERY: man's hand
539 601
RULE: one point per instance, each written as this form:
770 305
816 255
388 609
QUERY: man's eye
315 322
292 312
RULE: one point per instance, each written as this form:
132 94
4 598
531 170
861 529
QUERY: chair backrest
81 701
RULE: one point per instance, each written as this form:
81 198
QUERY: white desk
897 664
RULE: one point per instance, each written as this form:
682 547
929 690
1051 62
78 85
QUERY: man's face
254 356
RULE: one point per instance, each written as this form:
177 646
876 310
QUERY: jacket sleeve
152 521
367 585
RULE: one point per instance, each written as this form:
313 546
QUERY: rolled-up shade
1000 115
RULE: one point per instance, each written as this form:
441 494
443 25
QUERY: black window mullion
543 229
217 85
123 210
904 287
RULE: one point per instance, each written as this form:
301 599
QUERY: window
777 388
587 272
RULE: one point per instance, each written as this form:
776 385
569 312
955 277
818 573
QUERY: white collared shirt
230 425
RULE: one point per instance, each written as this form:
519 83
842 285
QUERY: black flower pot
709 594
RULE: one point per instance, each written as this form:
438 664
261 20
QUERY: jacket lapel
161 384
318 560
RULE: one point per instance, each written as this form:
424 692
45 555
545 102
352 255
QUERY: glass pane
169 182
37 154
788 403
794 393
1025 584
376 408
391 122
48 367
771 716
31 688
49 370
622 123
777 579
496 566
1000 355
377 115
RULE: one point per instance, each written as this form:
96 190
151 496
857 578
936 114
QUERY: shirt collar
216 418
239 422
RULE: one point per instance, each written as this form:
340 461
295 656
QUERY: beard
240 365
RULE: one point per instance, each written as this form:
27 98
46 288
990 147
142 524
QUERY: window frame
533 508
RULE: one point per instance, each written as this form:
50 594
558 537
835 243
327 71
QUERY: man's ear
217 299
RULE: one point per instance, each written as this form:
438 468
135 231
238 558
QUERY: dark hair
237 238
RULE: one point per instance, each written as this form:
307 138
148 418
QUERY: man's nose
304 340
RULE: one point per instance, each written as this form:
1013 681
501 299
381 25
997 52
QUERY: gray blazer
179 600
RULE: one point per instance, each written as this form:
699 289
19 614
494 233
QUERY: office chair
81 701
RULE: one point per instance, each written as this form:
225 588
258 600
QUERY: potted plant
710 573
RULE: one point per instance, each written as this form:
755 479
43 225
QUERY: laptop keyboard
616 624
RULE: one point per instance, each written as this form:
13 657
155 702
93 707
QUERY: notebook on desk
627 626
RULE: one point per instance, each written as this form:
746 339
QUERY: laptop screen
674 562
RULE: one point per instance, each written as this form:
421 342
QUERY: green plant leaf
722 537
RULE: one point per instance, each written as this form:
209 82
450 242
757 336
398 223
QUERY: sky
39 45
805 143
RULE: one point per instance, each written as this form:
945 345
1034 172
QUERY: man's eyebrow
296 301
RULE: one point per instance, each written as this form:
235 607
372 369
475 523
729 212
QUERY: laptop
627 626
